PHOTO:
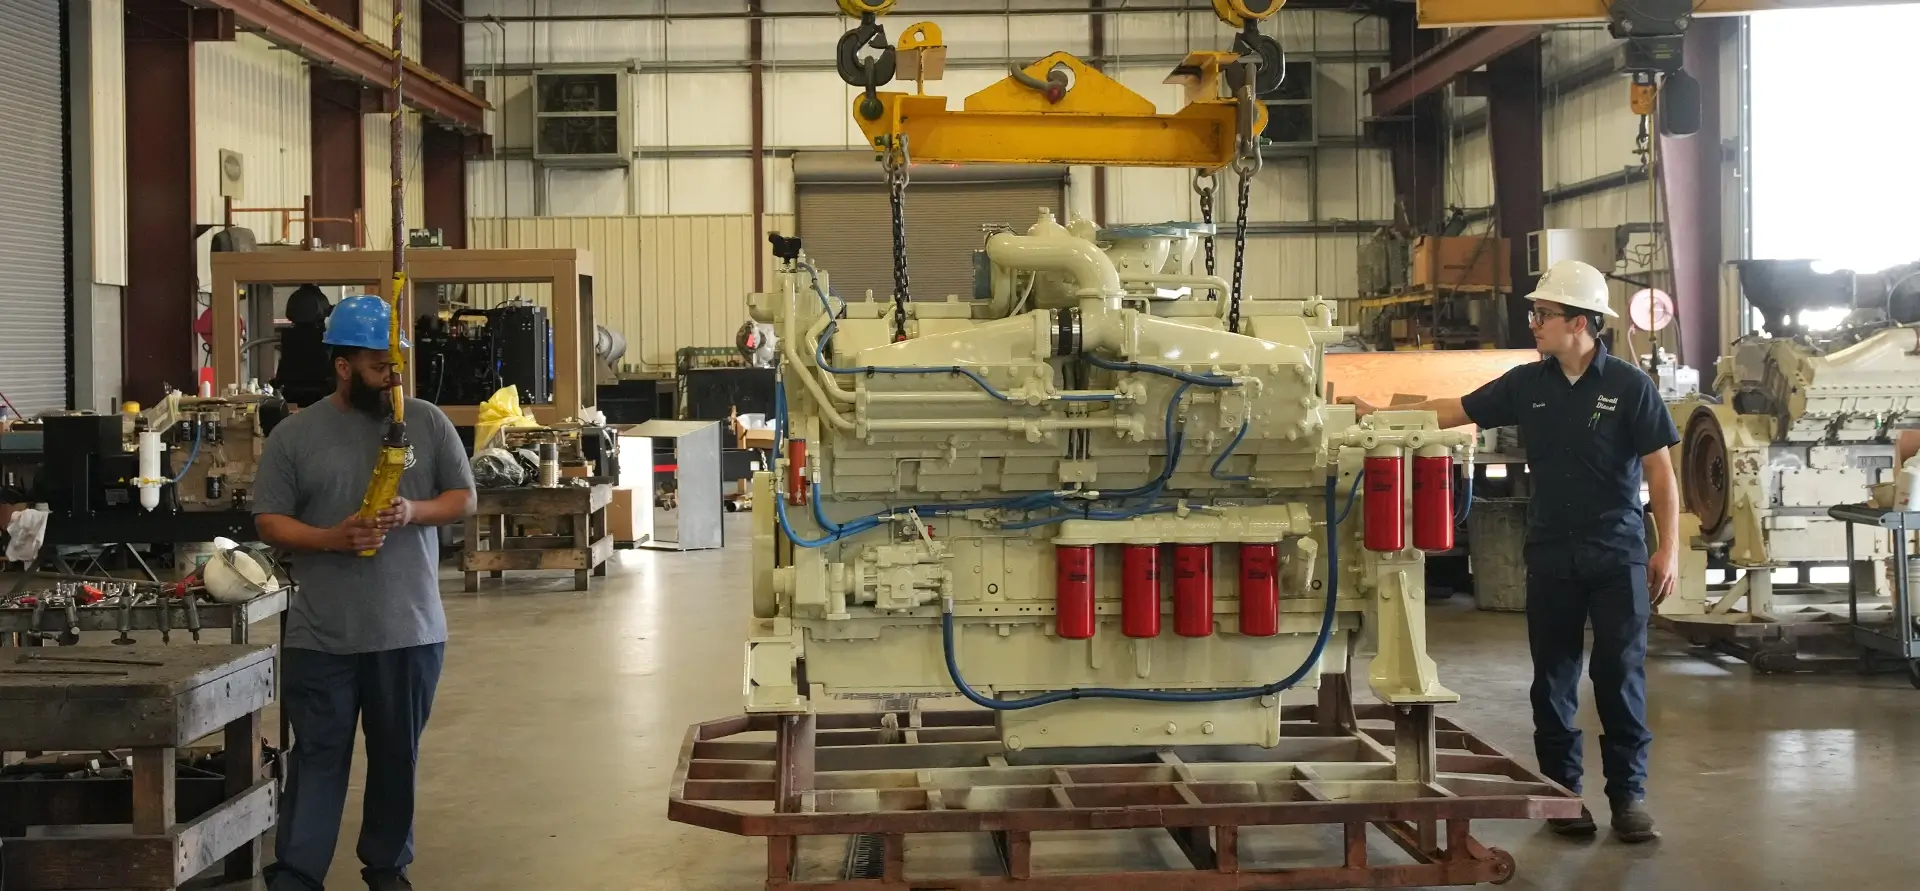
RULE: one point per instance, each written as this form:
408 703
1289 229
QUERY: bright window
1835 175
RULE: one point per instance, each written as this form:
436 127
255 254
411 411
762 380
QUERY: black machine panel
465 358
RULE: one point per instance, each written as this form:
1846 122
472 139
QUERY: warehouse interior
784 427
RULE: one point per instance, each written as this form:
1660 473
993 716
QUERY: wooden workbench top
56 705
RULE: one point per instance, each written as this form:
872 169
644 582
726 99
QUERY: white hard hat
1575 285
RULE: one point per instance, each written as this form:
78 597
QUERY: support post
162 255
1514 131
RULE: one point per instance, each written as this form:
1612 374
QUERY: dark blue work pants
1559 606
389 693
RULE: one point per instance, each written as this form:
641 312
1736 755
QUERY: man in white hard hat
1594 428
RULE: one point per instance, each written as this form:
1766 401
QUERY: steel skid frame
881 776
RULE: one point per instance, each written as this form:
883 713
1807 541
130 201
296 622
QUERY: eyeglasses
1540 316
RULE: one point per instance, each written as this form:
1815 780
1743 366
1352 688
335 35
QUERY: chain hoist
895 161
1203 185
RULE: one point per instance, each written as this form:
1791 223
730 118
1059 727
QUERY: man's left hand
399 513
1663 571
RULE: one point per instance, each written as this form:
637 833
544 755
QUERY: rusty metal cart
1417 779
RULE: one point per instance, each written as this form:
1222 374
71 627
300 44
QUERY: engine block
1083 502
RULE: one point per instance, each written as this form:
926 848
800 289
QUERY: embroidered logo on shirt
1608 404
1539 405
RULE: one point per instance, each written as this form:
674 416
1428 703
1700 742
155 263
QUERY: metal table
154 700
1900 640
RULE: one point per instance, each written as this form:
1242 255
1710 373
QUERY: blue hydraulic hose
192 456
1306 665
1231 477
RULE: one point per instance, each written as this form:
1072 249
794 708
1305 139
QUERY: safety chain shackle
895 160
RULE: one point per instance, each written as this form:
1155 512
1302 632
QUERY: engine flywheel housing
1704 471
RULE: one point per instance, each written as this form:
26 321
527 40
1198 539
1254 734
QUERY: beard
371 400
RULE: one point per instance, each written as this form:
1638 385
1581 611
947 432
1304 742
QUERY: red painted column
334 132
443 152
1514 102
162 268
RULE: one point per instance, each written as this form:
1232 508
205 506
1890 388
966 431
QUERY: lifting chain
1203 185
1245 172
895 160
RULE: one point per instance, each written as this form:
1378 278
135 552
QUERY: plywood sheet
1427 374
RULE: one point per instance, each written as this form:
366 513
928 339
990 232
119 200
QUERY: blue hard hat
361 321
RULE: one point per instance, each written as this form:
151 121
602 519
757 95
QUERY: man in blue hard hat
365 635
1595 429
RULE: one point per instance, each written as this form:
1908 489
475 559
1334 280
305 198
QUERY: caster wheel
1503 866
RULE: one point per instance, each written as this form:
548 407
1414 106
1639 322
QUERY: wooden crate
577 516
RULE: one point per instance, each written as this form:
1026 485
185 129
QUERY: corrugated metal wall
375 149
34 350
664 282
376 20
253 99
689 94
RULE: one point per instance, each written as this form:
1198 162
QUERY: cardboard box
1462 261
757 439
622 518
576 471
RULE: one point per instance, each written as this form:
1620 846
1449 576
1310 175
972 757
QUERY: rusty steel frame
1417 778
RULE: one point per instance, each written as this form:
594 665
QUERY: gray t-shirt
315 469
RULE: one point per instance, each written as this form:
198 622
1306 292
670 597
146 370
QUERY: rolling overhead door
844 219
33 221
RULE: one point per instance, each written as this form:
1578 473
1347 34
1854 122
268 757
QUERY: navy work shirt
1584 442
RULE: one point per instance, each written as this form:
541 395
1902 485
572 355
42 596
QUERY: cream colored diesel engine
1084 502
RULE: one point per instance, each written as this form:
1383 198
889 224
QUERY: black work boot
1632 824
1581 825
388 881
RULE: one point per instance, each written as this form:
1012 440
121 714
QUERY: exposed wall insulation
665 282
376 21
253 99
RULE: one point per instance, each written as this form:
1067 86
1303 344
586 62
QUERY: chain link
1240 248
1203 185
895 161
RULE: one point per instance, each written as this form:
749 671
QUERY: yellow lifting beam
1463 13
1096 121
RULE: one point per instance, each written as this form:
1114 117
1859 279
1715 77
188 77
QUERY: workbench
234 618
1902 640
178 695
575 518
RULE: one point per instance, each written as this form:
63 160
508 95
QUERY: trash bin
1496 540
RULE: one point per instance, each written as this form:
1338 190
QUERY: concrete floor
560 716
